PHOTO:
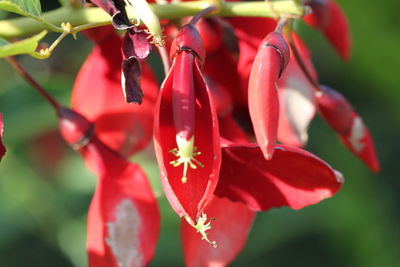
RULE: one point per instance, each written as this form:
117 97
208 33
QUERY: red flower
330 19
271 59
186 133
97 94
339 114
123 220
2 147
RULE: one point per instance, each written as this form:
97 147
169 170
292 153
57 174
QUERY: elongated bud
331 20
75 129
271 59
335 109
339 114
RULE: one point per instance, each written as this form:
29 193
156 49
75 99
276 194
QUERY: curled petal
293 177
2 147
116 9
123 220
263 97
331 20
97 95
231 228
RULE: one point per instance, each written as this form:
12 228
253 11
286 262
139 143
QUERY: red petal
249 33
123 219
97 94
230 229
230 130
211 33
191 197
359 141
293 177
221 68
2 147
336 30
263 96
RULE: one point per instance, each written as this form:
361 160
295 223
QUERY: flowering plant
225 64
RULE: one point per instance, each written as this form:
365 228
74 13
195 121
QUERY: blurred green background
43 203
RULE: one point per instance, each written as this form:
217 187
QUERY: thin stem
301 63
85 18
15 64
162 51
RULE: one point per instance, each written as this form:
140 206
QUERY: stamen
201 227
185 152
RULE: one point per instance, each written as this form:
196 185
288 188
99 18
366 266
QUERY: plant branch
85 18
15 64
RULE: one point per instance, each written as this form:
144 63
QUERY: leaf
26 46
25 8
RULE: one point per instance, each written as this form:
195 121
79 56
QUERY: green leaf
28 8
26 46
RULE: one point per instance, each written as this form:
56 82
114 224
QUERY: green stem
85 18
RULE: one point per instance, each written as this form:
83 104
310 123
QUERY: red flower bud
293 177
330 19
339 114
75 129
271 59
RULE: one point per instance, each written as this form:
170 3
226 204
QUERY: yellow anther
185 152
201 227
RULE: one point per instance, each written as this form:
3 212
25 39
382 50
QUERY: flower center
185 152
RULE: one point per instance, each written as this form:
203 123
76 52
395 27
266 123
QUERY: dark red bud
75 129
189 39
335 109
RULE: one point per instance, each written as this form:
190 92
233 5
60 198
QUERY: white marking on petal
299 106
339 176
123 235
357 134
123 81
